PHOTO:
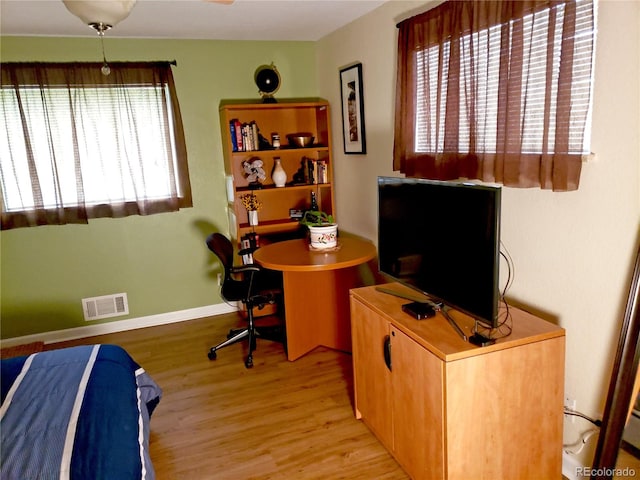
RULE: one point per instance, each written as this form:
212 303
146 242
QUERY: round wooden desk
316 290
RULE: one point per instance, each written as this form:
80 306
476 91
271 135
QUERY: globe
267 79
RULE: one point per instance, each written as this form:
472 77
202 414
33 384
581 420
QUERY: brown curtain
75 141
451 43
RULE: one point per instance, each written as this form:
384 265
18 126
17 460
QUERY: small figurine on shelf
254 171
299 178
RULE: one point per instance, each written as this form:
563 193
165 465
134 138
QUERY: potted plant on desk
323 231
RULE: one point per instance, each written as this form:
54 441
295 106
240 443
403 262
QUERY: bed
76 413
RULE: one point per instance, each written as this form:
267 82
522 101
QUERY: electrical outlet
570 403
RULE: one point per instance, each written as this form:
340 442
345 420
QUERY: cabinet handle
387 351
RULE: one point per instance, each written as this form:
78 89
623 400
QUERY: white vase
278 175
253 217
324 237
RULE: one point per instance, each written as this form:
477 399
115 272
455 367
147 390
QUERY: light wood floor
279 420
626 460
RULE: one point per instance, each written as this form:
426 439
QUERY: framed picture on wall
353 132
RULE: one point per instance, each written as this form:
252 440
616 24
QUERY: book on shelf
321 168
232 134
244 136
237 132
315 171
246 140
254 136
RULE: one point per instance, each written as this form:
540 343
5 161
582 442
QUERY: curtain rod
170 62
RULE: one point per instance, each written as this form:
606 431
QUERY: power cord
576 447
569 411
580 443
504 327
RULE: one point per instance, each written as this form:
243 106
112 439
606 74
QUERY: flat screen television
443 239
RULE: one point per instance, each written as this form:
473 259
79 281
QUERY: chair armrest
250 267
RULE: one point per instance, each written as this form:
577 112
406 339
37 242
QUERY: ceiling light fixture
101 15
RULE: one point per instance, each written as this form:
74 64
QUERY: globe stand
268 98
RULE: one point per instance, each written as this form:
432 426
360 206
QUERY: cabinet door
505 413
418 414
372 378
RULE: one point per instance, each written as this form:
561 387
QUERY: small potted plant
323 230
252 203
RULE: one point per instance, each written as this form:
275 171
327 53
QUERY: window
498 91
80 145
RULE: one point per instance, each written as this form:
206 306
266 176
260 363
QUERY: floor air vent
106 306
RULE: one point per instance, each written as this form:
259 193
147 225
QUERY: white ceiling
193 19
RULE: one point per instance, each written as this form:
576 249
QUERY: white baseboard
572 468
122 325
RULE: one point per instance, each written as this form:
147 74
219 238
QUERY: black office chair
252 286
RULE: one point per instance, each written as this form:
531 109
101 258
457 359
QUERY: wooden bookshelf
283 118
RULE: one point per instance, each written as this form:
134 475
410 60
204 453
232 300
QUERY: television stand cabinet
447 409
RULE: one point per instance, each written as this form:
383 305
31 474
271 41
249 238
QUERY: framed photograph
351 92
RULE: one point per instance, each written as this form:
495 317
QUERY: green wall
160 261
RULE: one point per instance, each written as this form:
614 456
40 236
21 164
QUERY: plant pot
323 237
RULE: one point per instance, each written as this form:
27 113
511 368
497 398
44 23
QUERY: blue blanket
76 413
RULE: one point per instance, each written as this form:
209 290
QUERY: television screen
443 239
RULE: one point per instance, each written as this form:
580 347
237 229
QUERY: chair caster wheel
248 362
212 355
